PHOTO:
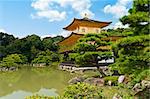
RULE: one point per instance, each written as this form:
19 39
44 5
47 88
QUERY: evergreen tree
133 52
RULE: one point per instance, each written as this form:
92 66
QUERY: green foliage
72 56
84 47
82 91
138 19
113 79
6 39
90 42
90 58
46 57
13 60
55 57
50 43
118 32
144 75
28 46
133 54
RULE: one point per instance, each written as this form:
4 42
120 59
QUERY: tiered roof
68 43
86 22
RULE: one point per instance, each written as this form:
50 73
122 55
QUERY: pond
30 80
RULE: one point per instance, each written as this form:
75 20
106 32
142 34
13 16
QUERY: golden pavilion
79 27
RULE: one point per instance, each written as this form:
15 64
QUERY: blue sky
48 17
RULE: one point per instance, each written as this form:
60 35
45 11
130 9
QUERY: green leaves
133 52
84 47
46 57
82 91
13 60
90 58
139 14
90 42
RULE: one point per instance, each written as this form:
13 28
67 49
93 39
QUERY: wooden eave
70 36
86 22
68 43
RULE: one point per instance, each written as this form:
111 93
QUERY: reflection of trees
33 79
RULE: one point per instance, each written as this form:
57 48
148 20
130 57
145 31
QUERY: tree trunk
101 71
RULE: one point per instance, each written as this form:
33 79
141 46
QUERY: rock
12 69
5 69
145 84
89 80
76 80
117 96
95 81
137 87
121 79
99 82
109 83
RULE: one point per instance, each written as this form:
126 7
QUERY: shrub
72 56
144 75
13 60
90 58
82 91
79 47
46 57
55 57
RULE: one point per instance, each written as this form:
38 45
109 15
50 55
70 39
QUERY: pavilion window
97 31
83 29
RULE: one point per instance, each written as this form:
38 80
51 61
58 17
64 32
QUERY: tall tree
138 18
133 52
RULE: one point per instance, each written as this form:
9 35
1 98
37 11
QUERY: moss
113 79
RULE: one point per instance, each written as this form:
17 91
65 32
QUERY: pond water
29 81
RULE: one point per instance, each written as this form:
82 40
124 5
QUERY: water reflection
27 81
22 94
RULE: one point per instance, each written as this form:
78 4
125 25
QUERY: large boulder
137 87
89 80
141 86
145 84
99 82
121 79
76 80
12 68
95 81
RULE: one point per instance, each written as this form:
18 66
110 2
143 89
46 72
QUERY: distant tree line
30 46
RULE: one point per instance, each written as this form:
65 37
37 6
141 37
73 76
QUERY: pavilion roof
86 22
68 43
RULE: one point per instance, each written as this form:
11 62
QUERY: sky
48 17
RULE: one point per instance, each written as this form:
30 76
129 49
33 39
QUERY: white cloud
41 4
45 10
2 30
51 35
119 9
120 25
80 6
65 33
62 33
51 15
88 12
54 10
